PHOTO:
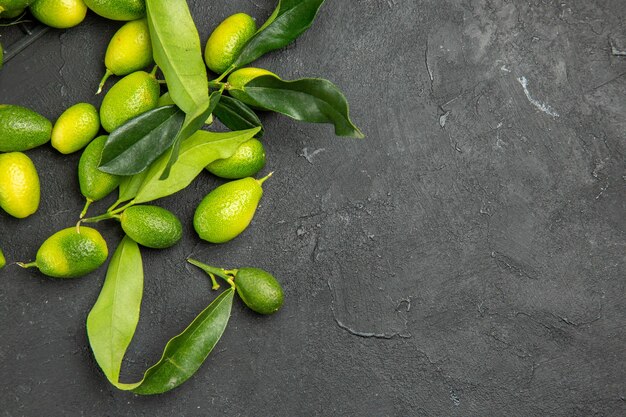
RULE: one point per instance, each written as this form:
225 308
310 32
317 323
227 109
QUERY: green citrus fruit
60 14
118 9
227 40
3 261
131 96
228 210
75 128
11 14
259 290
19 185
22 129
13 8
130 50
72 253
247 161
95 184
237 83
152 226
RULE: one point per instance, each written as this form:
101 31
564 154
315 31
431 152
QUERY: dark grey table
466 259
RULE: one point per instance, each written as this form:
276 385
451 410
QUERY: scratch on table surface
309 156
541 106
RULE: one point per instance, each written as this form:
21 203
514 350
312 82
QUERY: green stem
211 270
107 74
215 286
117 203
154 70
28 265
87 204
162 82
217 84
262 180
225 73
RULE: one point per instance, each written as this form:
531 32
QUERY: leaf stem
107 74
225 73
213 271
87 204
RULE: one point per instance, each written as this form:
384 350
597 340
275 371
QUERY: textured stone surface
467 258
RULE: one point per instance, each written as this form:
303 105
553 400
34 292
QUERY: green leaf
130 186
185 353
132 147
112 321
193 122
290 19
177 52
197 152
312 100
235 115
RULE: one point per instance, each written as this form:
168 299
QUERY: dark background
465 259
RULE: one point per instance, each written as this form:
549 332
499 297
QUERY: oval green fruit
151 226
237 83
228 210
95 184
13 8
60 14
75 128
22 129
72 253
11 14
131 96
247 161
129 50
227 40
259 290
118 9
19 185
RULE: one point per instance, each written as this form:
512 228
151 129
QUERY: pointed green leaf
132 147
185 353
235 115
177 52
312 100
112 321
290 19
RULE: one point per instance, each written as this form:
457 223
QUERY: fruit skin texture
95 184
60 14
22 129
3 261
70 254
75 128
259 290
227 40
237 82
13 13
227 210
118 9
133 95
247 161
130 48
152 226
13 8
19 185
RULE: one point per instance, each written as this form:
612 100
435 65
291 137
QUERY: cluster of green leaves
162 151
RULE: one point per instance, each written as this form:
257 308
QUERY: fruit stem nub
28 265
262 180
107 74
